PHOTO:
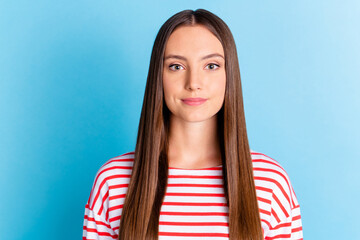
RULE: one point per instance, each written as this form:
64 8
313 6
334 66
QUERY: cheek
166 85
169 94
167 90
218 88
171 87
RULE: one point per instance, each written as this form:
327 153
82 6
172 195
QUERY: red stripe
103 183
264 211
275 215
296 218
187 213
117 218
118 186
194 213
119 160
298 229
266 222
194 185
263 189
103 201
195 223
195 176
99 233
116 207
210 168
277 183
110 161
108 169
279 173
279 236
280 205
114 159
193 204
90 219
274 162
116 167
282 225
194 234
264 200
117 197
196 194
274 171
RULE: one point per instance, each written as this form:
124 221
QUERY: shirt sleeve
285 219
289 228
95 227
96 220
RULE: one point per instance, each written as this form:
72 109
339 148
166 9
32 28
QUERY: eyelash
172 65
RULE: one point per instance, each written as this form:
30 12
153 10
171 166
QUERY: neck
193 144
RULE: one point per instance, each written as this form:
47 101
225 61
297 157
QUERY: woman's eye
212 66
175 67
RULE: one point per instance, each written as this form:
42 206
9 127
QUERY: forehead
192 41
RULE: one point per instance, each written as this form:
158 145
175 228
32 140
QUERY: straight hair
148 182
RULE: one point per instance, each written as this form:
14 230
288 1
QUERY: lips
194 101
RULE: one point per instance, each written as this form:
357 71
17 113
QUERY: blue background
72 79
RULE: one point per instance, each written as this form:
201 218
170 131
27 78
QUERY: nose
194 80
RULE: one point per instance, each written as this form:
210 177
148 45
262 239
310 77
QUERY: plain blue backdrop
72 79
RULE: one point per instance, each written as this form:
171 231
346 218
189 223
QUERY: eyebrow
203 58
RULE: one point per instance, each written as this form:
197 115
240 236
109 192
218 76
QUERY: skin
193 140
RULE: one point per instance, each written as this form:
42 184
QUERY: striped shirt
194 206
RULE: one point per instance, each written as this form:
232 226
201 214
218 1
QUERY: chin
198 118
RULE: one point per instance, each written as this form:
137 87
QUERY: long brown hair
141 210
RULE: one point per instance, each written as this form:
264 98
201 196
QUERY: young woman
192 175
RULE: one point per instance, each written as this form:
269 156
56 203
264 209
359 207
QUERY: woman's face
194 74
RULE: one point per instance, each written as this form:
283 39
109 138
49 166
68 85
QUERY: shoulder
115 166
270 174
278 205
266 166
116 170
124 160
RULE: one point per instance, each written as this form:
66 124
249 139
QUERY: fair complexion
194 67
